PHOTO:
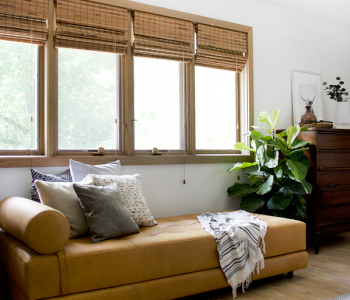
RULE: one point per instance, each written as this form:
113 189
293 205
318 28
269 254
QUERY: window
79 75
216 121
88 95
158 95
18 97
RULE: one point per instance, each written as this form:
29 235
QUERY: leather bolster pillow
42 228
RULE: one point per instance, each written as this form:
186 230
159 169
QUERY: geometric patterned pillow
36 175
132 196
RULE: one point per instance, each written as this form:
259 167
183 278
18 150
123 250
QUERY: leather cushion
44 229
177 245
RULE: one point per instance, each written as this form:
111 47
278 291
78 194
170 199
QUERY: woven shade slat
19 23
67 31
36 9
232 63
5 38
90 46
92 14
163 37
23 20
93 26
164 55
221 48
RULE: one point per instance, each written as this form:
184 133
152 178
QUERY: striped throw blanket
237 235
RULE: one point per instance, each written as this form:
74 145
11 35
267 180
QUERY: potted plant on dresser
278 173
339 94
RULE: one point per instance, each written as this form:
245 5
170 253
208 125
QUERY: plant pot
342 115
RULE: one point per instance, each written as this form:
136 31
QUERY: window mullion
190 108
128 124
51 76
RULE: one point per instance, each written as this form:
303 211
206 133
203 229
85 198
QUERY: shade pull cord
185 113
31 88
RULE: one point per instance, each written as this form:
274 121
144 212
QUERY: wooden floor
327 276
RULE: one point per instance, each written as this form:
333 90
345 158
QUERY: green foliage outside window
18 100
87 90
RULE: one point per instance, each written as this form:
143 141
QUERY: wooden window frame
40 111
127 155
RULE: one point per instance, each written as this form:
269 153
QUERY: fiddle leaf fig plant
278 174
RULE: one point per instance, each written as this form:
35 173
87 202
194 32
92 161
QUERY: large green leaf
304 129
263 128
273 162
241 166
275 117
241 189
300 157
253 202
264 139
261 155
273 143
253 170
296 151
256 134
299 144
247 133
298 169
266 186
292 133
283 133
254 178
307 186
279 173
264 117
280 200
242 146
267 170
294 186
300 204
283 147
270 152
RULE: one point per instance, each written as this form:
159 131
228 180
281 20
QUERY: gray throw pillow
80 170
105 212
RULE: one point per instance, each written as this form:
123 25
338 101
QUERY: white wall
283 40
205 188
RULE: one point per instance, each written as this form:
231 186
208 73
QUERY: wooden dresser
328 210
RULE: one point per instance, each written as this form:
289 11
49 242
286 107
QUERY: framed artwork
306 90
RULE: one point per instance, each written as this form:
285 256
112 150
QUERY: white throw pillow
131 191
61 196
79 170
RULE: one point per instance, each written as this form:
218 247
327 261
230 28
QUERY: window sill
63 161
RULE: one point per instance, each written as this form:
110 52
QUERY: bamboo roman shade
91 26
23 20
163 37
221 48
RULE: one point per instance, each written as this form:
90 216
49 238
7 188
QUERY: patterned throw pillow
131 191
36 175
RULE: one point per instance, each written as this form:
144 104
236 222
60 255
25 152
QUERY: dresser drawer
326 177
334 214
335 195
334 140
333 159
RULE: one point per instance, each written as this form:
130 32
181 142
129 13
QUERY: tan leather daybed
173 259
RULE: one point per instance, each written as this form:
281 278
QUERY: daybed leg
290 274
